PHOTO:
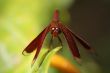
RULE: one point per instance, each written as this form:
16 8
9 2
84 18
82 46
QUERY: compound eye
53 28
56 28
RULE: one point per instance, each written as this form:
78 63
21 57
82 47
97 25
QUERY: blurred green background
23 20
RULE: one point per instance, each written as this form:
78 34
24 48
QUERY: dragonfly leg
51 42
60 41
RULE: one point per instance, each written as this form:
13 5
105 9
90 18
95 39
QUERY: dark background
91 18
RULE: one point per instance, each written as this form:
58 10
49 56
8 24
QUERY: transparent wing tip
78 60
32 62
25 53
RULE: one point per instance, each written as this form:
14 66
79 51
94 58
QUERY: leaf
39 60
42 63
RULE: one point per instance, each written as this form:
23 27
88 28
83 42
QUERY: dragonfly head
55 31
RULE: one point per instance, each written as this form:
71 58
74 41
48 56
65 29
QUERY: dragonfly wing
81 40
84 43
71 41
36 43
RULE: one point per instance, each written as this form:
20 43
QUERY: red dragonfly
56 27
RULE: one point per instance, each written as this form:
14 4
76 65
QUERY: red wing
36 43
81 40
71 41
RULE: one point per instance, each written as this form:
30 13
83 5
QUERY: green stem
42 63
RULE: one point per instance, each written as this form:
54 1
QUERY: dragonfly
55 28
